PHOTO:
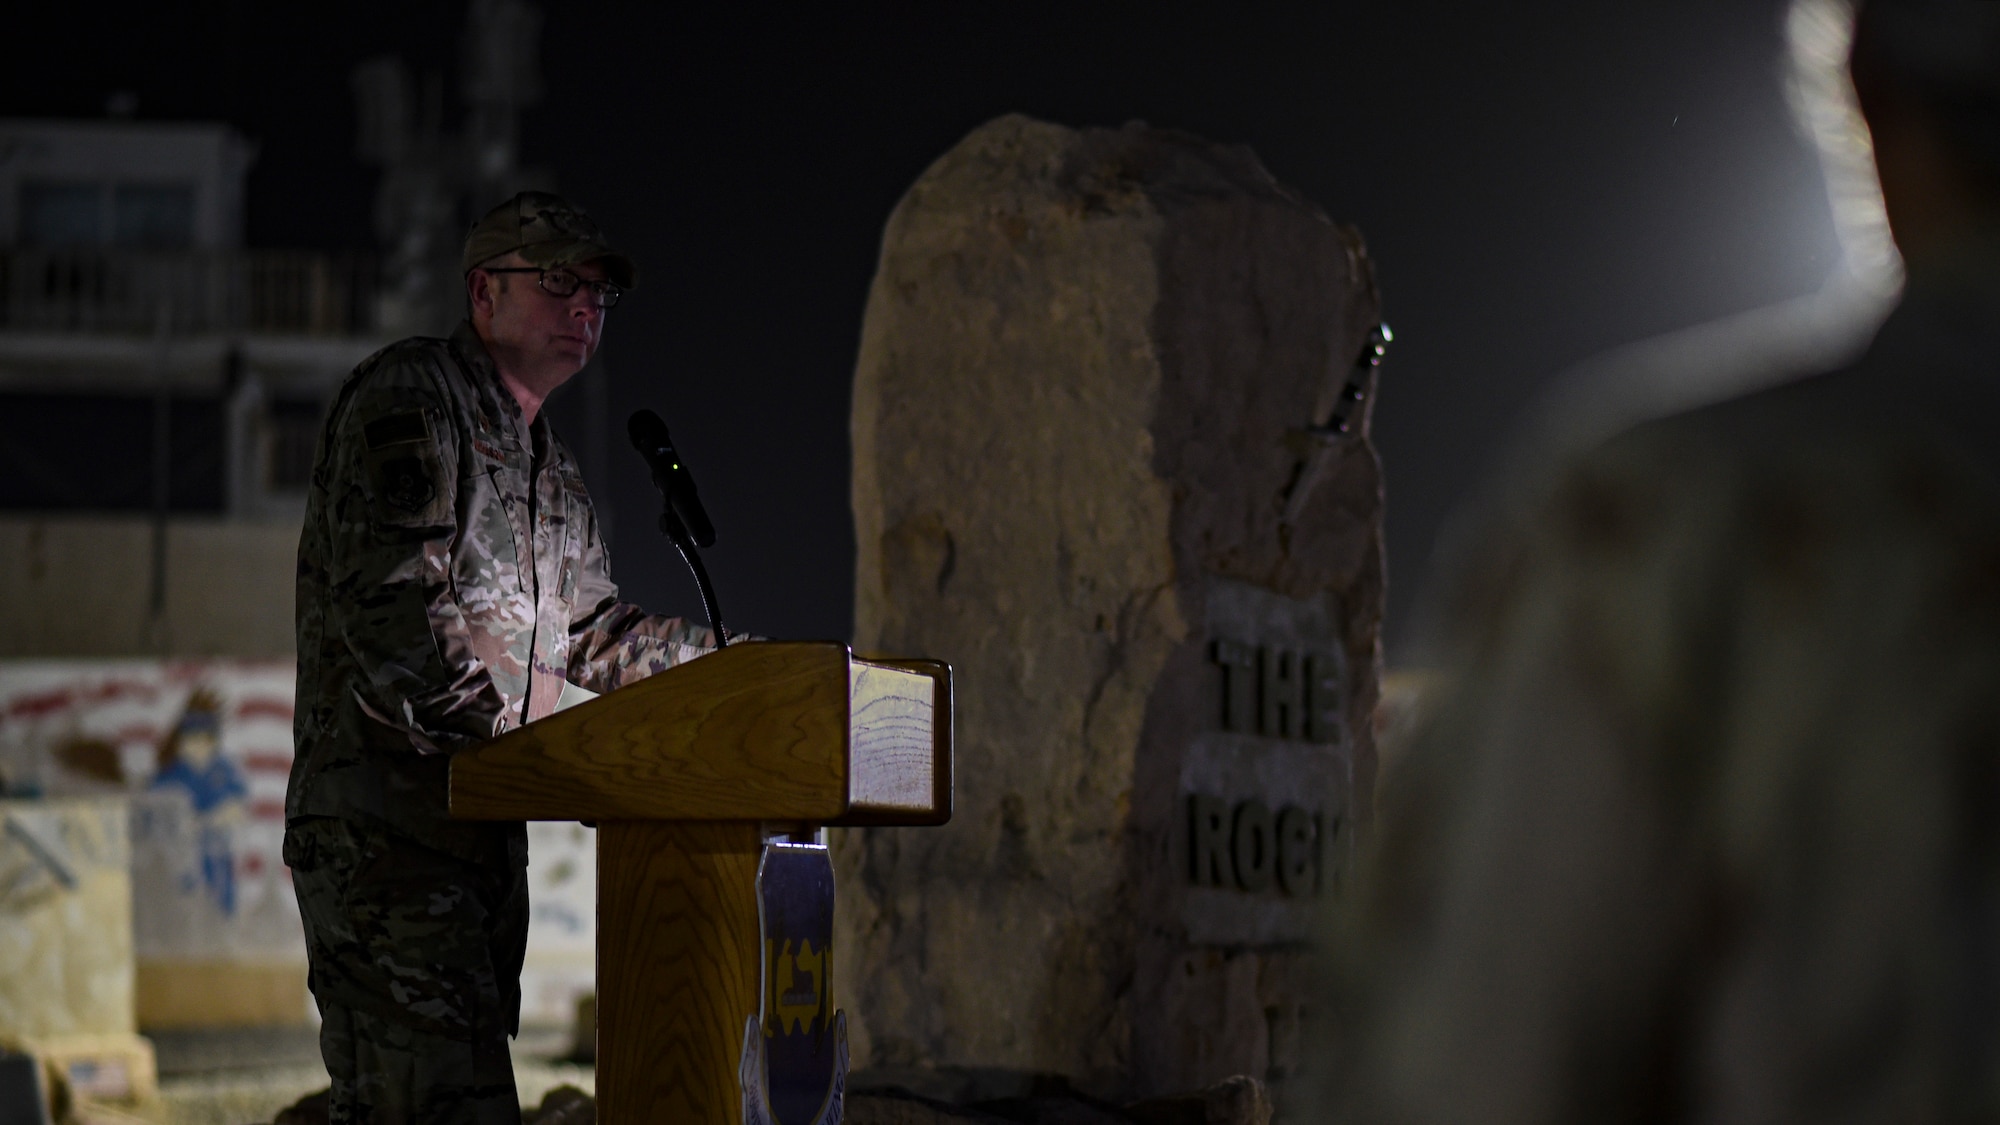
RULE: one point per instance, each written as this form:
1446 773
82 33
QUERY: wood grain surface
890 749
677 969
755 731
679 769
937 770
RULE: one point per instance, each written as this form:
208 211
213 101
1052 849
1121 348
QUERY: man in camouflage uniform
1707 826
451 579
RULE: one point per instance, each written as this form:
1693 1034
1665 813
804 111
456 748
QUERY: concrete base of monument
980 1096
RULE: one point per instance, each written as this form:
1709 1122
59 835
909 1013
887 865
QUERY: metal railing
282 292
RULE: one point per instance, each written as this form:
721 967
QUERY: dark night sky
1536 182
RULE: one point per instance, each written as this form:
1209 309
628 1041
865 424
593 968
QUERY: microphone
649 436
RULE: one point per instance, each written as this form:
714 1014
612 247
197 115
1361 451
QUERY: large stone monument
1099 467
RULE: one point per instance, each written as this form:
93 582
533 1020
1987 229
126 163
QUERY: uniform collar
495 399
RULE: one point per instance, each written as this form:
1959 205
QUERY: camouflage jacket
451 578
1706 826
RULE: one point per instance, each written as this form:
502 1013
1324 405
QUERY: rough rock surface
1240 1100
1088 362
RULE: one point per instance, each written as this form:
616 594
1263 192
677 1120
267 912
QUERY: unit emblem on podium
794 1069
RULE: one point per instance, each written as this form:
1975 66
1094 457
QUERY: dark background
1536 182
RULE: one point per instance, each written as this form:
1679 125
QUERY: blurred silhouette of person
1707 825
191 760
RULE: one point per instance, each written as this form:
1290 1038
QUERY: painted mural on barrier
201 749
562 930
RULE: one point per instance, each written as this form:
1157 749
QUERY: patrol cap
548 231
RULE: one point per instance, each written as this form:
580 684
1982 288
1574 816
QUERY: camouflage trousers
415 963
388 1073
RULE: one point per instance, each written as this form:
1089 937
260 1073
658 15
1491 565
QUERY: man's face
198 747
534 333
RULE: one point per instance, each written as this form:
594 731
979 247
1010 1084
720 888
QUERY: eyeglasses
564 284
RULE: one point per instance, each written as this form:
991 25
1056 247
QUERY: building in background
161 387
162 384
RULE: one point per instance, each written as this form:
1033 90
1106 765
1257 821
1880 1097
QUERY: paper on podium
573 695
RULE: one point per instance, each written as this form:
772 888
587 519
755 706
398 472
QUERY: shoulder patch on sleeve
396 429
406 484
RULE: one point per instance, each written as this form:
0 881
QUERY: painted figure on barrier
191 761
452 579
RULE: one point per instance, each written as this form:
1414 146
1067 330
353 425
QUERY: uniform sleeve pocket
406 479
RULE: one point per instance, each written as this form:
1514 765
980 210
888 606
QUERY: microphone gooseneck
670 474
682 519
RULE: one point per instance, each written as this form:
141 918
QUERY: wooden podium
686 774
